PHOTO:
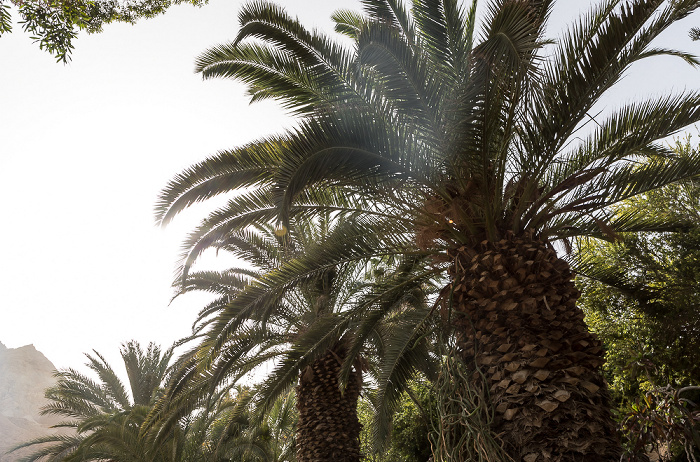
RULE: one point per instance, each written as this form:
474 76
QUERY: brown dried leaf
539 362
576 370
562 395
505 347
512 367
521 376
570 380
556 335
513 389
308 374
532 388
591 387
548 405
503 383
541 374
510 413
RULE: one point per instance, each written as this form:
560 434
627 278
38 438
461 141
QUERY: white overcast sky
86 147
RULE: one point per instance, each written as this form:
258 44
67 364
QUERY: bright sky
85 148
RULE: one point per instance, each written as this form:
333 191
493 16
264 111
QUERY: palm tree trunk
518 321
328 428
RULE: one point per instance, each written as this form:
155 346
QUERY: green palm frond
111 383
407 351
146 370
51 448
392 12
227 171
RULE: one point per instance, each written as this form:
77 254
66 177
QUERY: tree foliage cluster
54 24
643 302
407 227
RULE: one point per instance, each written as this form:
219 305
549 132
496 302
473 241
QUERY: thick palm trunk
328 428
520 323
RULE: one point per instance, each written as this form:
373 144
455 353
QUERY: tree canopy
643 298
54 24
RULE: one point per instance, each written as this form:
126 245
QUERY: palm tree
476 154
105 417
286 330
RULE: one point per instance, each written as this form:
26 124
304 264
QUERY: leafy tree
411 425
643 298
109 422
54 24
229 430
642 301
472 156
665 420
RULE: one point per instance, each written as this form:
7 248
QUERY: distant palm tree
105 417
477 155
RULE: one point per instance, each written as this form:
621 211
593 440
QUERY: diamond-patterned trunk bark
328 428
520 323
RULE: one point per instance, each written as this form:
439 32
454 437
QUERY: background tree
229 429
54 24
411 426
644 301
104 414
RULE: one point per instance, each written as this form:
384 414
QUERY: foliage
54 24
660 419
284 332
109 423
411 426
643 302
229 430
643 299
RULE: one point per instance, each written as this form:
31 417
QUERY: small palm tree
474 155
104 416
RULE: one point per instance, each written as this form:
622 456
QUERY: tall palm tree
286 330
104 416
475 153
